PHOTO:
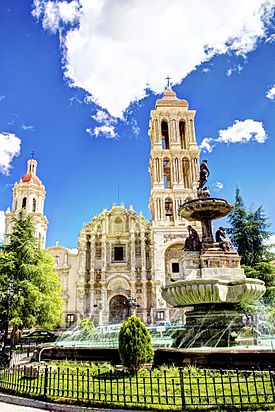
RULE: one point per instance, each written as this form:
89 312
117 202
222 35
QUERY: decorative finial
33 154
168 80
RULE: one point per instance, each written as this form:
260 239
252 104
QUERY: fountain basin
200 291
200 209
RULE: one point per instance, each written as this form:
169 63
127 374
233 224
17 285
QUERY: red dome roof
30 177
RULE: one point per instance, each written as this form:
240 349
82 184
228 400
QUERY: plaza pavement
9 403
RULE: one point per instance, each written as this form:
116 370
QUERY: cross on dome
168 78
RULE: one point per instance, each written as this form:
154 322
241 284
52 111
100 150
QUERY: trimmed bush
135 344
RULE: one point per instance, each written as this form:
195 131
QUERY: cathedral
123 260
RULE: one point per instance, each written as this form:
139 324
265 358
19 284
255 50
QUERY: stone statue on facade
204 173
224 243
192 242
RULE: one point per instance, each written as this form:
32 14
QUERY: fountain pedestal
212 282
213 325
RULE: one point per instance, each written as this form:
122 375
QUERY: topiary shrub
135 344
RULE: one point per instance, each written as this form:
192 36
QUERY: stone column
104 252
92 257
143 251
192 136
81 299
156 131
81 264
132 252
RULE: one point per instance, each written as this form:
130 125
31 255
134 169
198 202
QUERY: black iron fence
177 388
12 356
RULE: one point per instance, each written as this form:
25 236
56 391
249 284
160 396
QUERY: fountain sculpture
212 284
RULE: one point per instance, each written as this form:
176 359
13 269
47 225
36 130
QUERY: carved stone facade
122 260
121 256
113 266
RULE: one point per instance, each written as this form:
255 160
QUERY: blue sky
78 80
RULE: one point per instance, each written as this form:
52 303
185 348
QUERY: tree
266 272
31 271
249 232
263 310
257 228
135 344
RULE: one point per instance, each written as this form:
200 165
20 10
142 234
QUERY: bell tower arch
174 163
174 170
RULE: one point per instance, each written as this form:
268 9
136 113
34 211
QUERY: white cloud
207 144
237 68
74 101
120 48
27 127
107 126
218 186
270 94
108 131
56 13
102 117
240 132
9 148
271 39
2 225
2 97
243 132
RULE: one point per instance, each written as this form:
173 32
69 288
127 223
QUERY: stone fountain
212 284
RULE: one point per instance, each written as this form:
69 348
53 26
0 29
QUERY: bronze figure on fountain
192 242
203 191
223 241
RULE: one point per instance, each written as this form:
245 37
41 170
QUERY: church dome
170 99
31 178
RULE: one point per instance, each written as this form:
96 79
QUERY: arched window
34 204
182 134
186 173
165 134
24 203
167 173
168 206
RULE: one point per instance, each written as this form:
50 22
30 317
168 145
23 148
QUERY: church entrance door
118 309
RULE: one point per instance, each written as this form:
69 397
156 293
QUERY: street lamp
98 307
8 297
132 305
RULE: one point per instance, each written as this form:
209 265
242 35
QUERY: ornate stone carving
170 237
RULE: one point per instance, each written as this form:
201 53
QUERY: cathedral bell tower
29 195
174 170
174 163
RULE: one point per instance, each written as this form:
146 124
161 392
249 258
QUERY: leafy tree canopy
266 272
263 310
31 270
249 232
